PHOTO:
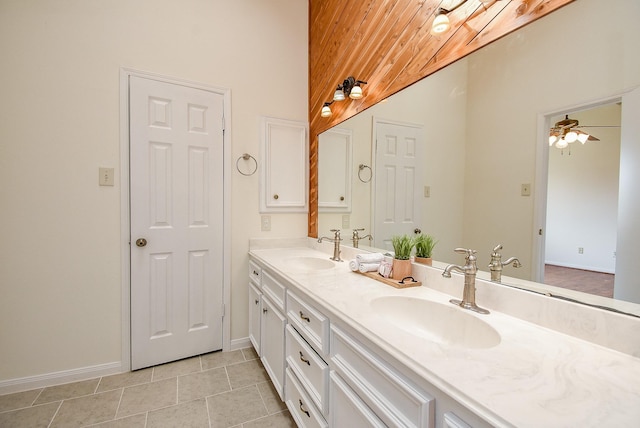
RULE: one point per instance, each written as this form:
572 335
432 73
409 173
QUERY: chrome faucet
336 244
357 237
469 270
497 264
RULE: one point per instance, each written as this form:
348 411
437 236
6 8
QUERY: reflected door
398 180
176 177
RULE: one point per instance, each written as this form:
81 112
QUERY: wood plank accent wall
388 44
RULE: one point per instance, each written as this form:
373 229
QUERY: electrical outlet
265 223
580 250
346 220
105 176
525 189
427 191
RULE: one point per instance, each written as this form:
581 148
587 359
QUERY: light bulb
562 143
356 93
571 136
583 138
326 111
440 24
552 139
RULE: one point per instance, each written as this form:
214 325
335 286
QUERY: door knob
141 242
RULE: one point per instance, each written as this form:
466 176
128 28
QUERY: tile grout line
119 403
55 414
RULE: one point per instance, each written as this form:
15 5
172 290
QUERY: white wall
582 195
60 268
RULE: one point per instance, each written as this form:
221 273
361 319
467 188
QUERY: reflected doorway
582 200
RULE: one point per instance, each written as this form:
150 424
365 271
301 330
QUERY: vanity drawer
255 273
300 405
347 409
275 290
309 322
391 395
310 369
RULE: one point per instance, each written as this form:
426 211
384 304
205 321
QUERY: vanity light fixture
350 87
441 22
326 110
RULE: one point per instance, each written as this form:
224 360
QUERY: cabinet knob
341 198
257 301
276 196
264 311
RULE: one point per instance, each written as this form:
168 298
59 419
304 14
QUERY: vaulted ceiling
388 44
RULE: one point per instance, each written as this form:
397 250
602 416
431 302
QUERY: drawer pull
303 360
255 273
302 409
304 317
257 301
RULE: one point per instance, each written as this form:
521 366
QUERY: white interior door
176 179
398 180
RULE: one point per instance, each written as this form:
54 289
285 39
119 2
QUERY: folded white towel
353 265
370 258
368 267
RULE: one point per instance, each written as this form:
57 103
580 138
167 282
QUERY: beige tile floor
221 389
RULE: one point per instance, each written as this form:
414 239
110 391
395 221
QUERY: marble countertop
534 377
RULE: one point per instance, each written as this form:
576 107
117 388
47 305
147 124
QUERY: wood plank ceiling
388 44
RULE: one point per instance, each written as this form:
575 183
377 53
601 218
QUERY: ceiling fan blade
592 138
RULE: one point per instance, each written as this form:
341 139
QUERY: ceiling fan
568 131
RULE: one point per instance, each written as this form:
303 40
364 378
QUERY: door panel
398 179
176 179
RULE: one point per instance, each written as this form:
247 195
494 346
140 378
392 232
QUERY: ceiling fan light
562 143
552 139
440 24
571 136
582 137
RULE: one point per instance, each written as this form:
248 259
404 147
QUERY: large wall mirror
487 170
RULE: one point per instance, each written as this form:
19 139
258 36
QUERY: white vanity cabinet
255 305
272 329
394 398
328 374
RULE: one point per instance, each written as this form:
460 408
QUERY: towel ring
360 168
247 156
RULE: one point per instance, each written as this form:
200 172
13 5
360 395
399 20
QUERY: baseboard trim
240 343
58 378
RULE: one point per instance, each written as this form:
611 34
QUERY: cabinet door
255 309
272 343
334 171
285 172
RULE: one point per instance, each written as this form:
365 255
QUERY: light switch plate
105 176
427 191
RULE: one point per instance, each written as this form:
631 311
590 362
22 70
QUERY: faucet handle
497 248
469 254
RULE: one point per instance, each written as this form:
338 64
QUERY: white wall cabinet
334 170
285 171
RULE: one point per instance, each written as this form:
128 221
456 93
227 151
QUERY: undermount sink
309 263
438 322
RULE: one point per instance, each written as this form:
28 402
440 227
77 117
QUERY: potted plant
424 248
402 247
